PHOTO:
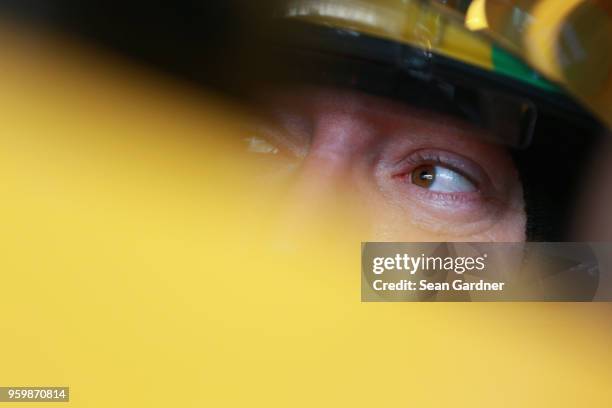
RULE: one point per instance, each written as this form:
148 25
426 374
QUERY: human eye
441 179
276 135
260 145
442 175
266 143
272 158
449 189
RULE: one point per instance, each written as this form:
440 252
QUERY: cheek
389 222
395 227
511 228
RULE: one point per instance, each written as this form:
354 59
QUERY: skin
338 146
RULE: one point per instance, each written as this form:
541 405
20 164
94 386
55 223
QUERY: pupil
426 175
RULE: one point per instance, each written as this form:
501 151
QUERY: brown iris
424 176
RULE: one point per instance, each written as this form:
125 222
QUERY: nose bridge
326 183
337 145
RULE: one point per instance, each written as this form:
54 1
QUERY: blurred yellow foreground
136 269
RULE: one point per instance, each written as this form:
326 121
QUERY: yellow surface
135 270
567 41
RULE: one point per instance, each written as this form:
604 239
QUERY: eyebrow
287 108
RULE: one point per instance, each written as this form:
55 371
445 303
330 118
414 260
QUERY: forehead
302 108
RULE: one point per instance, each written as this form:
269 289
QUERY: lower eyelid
467 212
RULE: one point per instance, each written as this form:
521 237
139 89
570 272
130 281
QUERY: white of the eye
257 145
448 181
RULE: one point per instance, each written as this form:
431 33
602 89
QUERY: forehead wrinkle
391 111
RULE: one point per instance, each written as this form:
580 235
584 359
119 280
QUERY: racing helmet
535 74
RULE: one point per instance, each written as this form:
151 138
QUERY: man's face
411 174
